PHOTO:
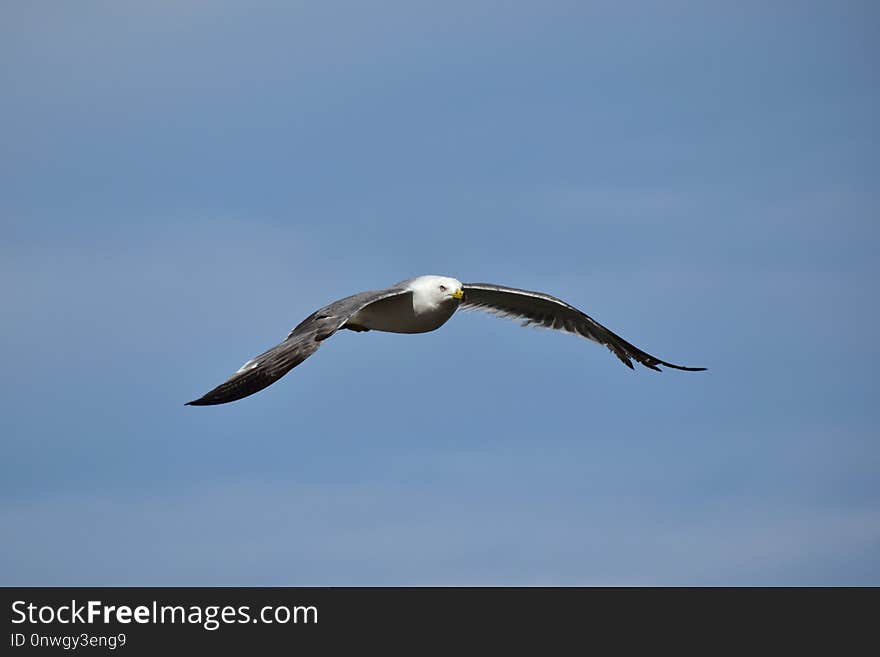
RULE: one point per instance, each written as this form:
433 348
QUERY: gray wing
539 309
304 340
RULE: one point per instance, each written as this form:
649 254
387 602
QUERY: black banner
150 620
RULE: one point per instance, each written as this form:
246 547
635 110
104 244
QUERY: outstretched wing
304 340
539 309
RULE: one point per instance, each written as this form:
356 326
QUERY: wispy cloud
253 532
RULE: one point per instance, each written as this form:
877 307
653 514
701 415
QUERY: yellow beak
458 294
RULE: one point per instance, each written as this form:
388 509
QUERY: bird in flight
419 305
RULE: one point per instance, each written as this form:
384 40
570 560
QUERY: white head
436 290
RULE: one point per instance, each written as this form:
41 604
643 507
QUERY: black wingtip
205 400
687 369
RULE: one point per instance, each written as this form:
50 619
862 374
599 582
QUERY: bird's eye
443 288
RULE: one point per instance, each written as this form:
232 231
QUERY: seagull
419 305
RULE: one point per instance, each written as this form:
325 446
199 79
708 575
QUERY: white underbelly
396 315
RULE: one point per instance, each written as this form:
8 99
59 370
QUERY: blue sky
183 182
